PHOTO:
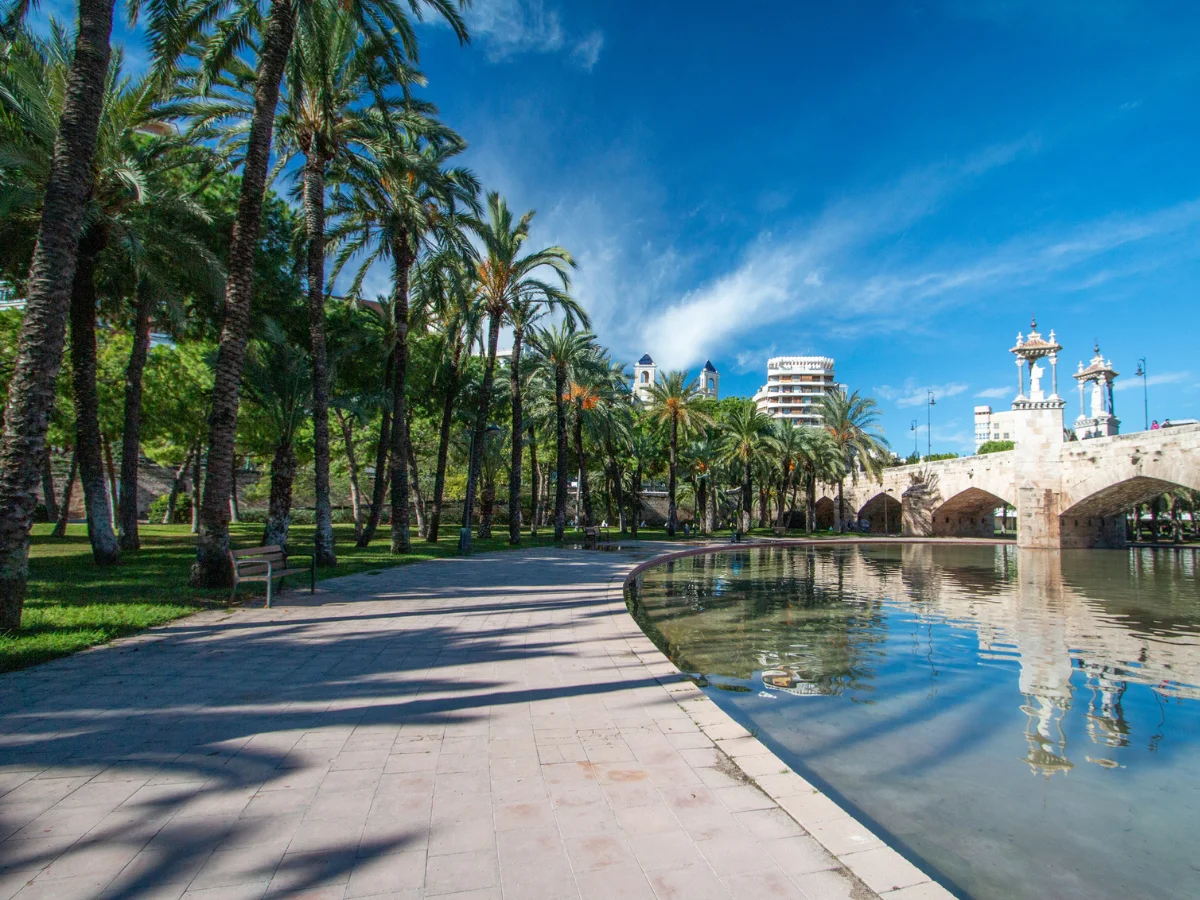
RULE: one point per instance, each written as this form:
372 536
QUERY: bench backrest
271 552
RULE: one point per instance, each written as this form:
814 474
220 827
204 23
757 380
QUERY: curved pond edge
871 854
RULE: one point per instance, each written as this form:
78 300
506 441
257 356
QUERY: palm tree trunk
518 429
841 514
64 511
402 259
485 402
585 491
487 506
356 504
810 502
379 486
439 477
560 487
314 223
702 505
674 445
131 432
535 485
635 500
88 442
212 567
618 493
418 501
235 514
279 509
111 472
47 301
48 497
197 484
173 497
747 503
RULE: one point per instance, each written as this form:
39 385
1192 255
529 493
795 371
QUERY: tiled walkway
475 728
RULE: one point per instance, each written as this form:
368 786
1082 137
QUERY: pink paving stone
462 728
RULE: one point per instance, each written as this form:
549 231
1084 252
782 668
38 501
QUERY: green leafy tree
677 404
745 438
852 422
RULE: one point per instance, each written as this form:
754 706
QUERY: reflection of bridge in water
1066 493
1041 609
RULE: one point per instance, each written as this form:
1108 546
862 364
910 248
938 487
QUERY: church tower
645 373
710 381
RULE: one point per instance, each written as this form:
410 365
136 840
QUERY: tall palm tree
139 242
47 296
703 455
852 422
447 289
330 74
561 349
507 277
396 203
746 436
789 444
521 315
677 404
279 383
383 20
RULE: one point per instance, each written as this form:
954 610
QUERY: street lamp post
916 449
1141 373
929 421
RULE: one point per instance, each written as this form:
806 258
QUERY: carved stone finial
1033 322
1096 346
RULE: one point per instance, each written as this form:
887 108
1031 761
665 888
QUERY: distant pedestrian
1154 426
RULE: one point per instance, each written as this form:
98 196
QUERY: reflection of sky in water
1024 722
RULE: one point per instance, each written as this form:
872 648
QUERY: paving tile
734 855
627 882
387 873
543 879
771 884
883 869
599 851
525 844
458 872
692 883
669 850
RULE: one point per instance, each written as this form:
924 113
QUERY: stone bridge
1066 493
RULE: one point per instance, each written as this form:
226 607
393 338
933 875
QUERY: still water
1022 724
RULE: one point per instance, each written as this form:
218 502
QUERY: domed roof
645 360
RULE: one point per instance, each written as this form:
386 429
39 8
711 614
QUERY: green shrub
995 446
183 509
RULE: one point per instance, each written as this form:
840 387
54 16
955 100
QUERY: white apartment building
794 388
992 426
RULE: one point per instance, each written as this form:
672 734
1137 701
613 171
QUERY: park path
483 727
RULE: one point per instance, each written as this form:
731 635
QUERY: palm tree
329 74
140 241
852 422
645 447
279 384
446 288
703 454
47 296
677 404
746 436
789 445
382 20
820 461
506 277
404 199
521 315
561 348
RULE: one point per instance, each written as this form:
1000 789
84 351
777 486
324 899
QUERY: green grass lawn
73 604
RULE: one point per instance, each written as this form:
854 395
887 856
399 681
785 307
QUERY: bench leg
233 593
268 593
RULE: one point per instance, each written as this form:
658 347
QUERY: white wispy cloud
1161 378
994 393
507 28
913 394
587 51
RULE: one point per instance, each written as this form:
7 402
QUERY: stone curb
866 856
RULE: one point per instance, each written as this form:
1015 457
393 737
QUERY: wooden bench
591 536
267 564
781 530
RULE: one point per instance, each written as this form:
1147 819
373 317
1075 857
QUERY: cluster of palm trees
143 202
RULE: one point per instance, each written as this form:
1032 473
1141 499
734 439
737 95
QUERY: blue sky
899 185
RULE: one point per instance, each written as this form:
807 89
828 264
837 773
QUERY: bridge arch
969 513
1095 506
884 513
826 513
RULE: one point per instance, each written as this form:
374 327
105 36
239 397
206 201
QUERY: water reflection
895 666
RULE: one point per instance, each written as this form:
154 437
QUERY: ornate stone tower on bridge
1099 420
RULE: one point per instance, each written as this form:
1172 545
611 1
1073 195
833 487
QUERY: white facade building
645 374
993 426
794 388
710 381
